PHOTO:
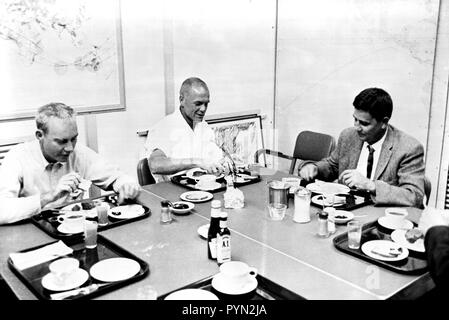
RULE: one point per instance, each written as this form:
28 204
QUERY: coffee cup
396 215
206 181
62 269
72 221
237 273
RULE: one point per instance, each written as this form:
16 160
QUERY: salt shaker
165 212
322 225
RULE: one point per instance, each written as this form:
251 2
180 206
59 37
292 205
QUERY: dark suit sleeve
437 249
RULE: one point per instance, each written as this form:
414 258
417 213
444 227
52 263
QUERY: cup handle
253 272
60 219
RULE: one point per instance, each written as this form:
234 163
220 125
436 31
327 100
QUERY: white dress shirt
363 158
173 136
25 174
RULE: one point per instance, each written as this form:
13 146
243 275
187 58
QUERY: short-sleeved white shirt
173 136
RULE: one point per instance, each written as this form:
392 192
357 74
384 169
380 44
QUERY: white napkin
23 260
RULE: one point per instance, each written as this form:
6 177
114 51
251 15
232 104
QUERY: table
285 252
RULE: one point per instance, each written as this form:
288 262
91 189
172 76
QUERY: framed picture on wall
240 136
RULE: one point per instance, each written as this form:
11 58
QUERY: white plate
348 216
126 212
383 246
398 236
114 269
63 229
182 211
91 213
220 284
319 201
191 294
213 186
196 196
393 225
203 230
78 278
327 187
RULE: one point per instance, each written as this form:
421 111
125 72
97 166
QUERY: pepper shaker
322 225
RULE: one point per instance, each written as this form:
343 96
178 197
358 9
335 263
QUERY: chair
7 144
427 189
144 173
309 146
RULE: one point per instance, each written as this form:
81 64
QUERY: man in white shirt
183 140
44 173
374 156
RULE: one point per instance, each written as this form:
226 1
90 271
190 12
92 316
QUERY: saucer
75 280
126 211
187 210
220 284
392 225
191 294
196 196
343 216
114 269
203 230
64 229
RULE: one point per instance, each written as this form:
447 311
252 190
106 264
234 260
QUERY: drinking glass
90 234
102 213
354 234
277 211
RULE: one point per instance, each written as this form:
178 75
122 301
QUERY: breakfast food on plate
413 235
76 208
180 206
87 205
387 252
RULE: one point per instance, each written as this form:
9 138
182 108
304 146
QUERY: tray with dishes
198 179
65 222
211 289
345 198
397 249
63 271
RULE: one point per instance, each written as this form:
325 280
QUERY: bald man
183 140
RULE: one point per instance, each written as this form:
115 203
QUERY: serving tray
105 249
414 264
266 290
46 220
190 183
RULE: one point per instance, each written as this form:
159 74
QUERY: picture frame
240 136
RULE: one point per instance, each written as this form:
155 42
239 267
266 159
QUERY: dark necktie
369 167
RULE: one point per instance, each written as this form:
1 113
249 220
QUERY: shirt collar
378 145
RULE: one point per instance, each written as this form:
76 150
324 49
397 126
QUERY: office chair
309 146
144 173
427 189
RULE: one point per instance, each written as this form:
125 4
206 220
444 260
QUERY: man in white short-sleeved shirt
46 172
183 140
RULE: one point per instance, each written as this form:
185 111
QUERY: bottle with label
165 212
233 197
214 229
223 240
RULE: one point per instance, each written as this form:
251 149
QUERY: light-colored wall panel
328 51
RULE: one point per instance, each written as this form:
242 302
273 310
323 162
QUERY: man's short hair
192 82
377 102
54 109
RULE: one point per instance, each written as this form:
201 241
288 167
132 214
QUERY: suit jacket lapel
385 153
354 154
